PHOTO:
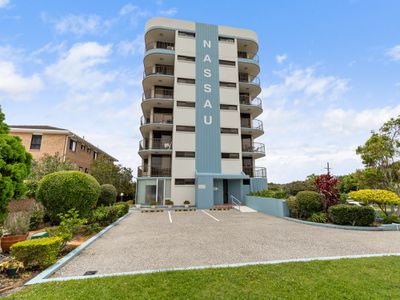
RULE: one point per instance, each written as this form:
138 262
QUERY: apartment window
246 181
83 147
185 104
80 169
230 155
229 130
36 141
72 145
184 181
226 39
186 33
186 58
86 170
227 84
89 150
185 128
95 155
227 62
228 107
184 154
186 80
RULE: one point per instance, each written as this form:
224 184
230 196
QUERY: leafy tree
49 164
15 165
327 185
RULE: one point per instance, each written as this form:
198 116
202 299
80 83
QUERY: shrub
327 186
36 216
308 202
91 229
69 225
108 195
169 202
344 214
393 218
31 186
38 252
270 194
319 217
105 215
123 208
153 203
382 198
130 202
61 191
186 202
17 223
292 205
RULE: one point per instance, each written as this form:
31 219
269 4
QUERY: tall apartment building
199 114
42 139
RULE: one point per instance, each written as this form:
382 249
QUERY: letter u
209 121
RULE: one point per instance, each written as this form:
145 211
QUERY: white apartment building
200 104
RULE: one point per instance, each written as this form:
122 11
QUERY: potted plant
16 228
186 203
169 202
153 204
11 267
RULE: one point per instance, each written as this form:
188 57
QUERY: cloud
281 58
14 85
133 13
170 12
394 53
4 3
81 24
133 47
79 67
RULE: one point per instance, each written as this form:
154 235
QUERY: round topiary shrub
61 191
108 195
308 202
344 214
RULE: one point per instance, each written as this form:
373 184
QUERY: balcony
141 172
249 84
157 97
254 128
155 172
167 45
250 105
246 55
158 122
159 70
253 149
155 146
256 172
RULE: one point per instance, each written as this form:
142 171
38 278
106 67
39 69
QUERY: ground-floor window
150 190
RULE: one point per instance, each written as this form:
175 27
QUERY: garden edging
386 227
61 262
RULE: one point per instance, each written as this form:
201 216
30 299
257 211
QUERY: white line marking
210 215
169 215
234 265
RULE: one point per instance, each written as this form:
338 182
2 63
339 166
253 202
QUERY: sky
330 72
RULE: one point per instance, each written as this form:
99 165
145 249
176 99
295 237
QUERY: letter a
207 58
207 104
209 121
206 44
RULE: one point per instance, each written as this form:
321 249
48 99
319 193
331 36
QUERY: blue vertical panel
204 191
208 137
218 192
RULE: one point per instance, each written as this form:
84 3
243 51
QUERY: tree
15 165
327 185
49 164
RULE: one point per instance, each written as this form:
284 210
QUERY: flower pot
186 205
9 240
11 272
153 206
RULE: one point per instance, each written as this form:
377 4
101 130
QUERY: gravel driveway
145 241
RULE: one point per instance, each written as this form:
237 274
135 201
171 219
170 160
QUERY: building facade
200 103
40 140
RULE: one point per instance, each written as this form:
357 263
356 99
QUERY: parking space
147 241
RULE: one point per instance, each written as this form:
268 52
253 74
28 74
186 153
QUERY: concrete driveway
145 241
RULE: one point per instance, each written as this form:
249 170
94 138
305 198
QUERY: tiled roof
44 127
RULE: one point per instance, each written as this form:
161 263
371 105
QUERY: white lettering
207 88
207 73
207 104
206 44
209 121
207 58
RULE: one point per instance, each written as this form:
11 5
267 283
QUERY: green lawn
366 278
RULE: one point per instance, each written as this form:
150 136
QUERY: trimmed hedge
344 214
38 252
308 203
61 191
375 196
108 195
105 215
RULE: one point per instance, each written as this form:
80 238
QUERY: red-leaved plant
327 185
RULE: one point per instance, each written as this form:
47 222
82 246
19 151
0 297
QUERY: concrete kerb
43 276
234 265
386 227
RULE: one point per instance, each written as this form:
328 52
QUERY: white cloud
281 58
14 85
394 53
81 24
79 67
170 12
4 3
133 13
133 47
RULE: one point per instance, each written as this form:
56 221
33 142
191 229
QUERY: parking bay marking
169 215
210 215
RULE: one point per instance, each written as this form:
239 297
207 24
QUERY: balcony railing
158 93
159 69
248 78
253 147
257 172
164 143
247 100
248 55
142 172
160 45
160 172
158 119
256 124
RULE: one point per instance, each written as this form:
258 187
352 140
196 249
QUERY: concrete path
145 241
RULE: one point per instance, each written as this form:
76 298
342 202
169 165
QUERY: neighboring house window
80 169
89 150
36 141
72 145
95 155
83 147
184 181
86 170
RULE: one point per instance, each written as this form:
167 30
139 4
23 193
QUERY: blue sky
330 72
